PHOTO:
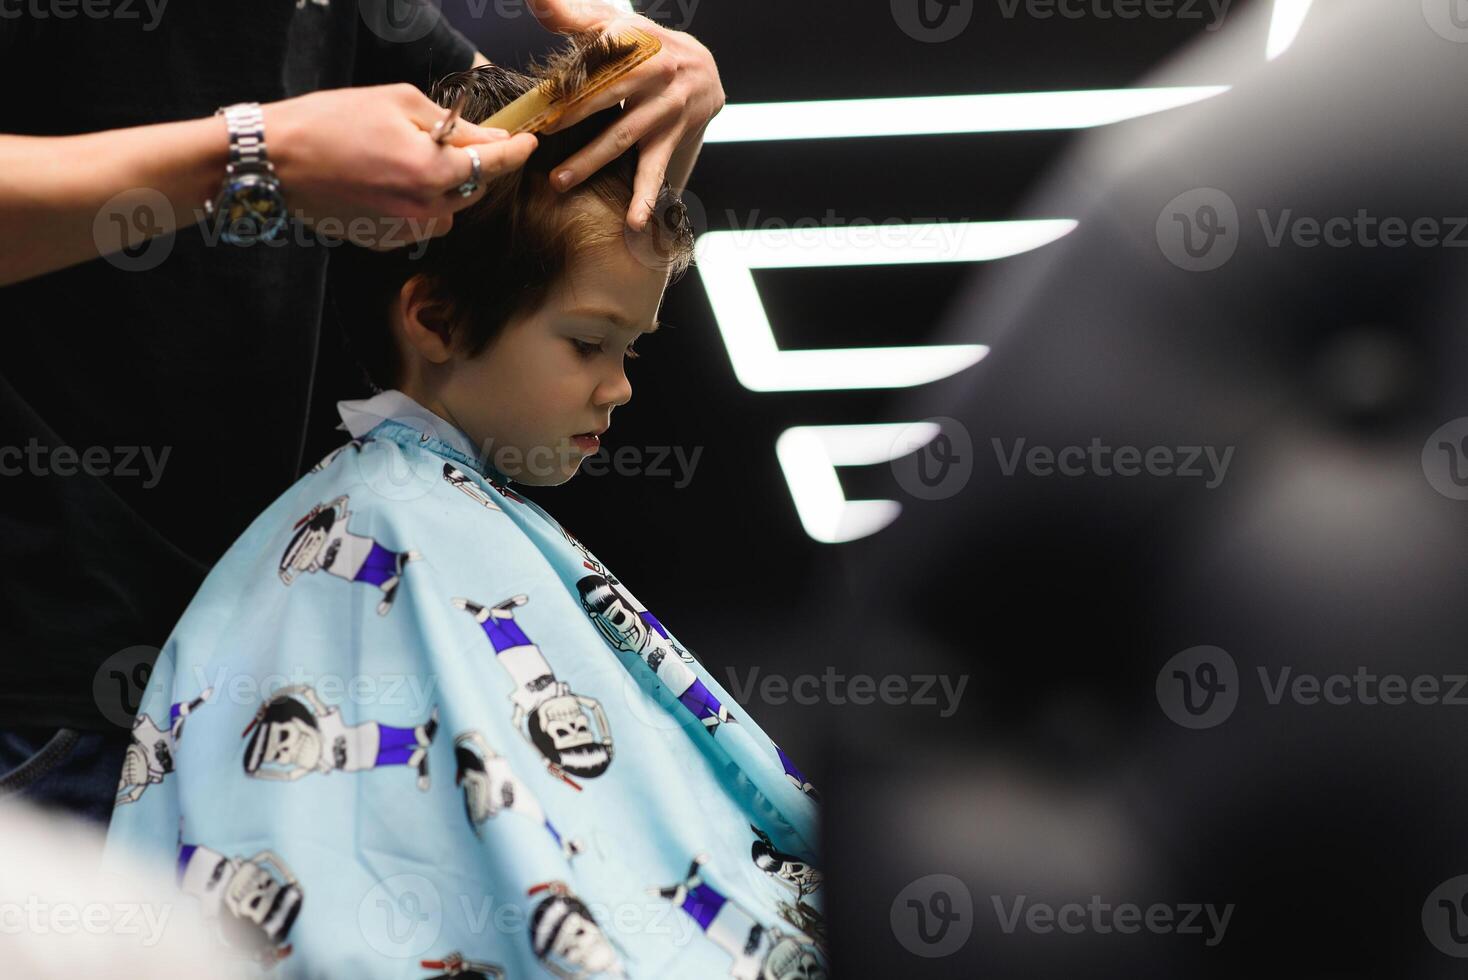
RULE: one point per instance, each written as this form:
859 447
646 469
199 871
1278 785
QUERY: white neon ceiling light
809 455
1284 26
945 114
726 262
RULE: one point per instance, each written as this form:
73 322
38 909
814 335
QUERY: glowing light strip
944 114
809 455
1284 27
726 261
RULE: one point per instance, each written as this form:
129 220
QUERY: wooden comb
574 75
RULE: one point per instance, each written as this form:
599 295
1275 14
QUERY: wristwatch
249 201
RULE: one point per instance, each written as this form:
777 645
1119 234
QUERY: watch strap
246 123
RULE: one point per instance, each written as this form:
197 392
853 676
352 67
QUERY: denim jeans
62 768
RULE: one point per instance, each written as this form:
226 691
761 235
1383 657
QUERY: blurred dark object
1325 547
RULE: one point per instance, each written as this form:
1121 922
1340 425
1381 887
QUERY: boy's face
559 371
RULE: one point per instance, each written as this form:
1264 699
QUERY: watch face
253 209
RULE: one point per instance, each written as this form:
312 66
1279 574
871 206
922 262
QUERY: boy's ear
426 322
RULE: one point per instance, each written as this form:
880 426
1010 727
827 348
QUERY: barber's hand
670 99
360 163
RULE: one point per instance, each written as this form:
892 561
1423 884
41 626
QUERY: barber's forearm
53 190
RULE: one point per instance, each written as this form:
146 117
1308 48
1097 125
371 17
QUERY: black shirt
182 390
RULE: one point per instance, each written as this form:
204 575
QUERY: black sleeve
417 49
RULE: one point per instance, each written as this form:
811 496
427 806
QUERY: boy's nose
617 391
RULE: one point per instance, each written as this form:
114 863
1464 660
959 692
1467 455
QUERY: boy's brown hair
504 251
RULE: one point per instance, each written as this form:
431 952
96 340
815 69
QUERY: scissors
444 128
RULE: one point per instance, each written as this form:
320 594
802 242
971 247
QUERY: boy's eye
586 349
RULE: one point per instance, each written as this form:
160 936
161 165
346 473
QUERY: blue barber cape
411 727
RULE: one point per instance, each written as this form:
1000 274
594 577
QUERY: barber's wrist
281 135
249 204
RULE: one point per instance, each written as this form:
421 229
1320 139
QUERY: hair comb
591 64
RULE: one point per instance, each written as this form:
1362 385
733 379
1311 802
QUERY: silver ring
472 184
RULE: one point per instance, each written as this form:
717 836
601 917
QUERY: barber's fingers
653 158
426 114
495 159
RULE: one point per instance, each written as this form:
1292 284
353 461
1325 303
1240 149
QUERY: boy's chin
545 479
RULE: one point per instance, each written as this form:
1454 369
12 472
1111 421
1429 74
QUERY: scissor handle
444 128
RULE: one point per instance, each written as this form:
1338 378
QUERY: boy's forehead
597 286
615 316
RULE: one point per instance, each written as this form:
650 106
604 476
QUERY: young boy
595 760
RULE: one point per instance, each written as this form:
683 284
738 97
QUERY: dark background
724 560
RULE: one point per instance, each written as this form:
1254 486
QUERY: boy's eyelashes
589 349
